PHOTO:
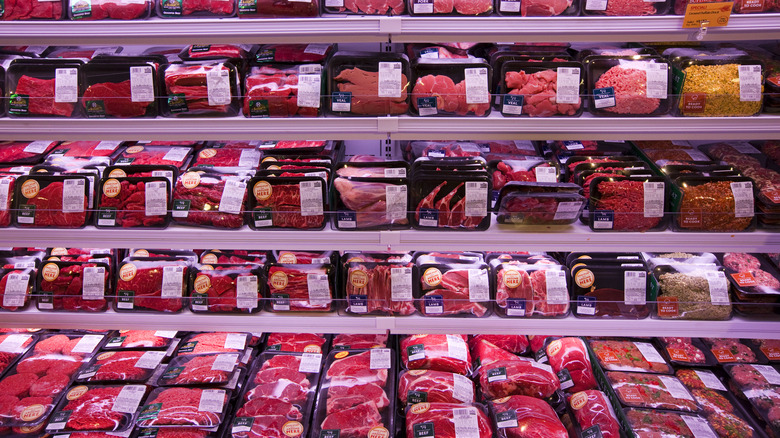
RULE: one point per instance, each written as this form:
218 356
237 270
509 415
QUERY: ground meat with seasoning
739 351
720 85
693 354
766 279
728 425
710 207
692 293
690 379
627 201
711 401
630 85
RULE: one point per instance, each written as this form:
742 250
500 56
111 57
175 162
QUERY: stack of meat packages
450 284
371 196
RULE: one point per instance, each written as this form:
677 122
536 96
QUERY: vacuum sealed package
539 203
296 202
56 201
627 204
453 289
517 376
540 89
192 407
436 352
209 198
205 88
628 86
692 292
214 51
216 370
604 291
283 90
530 290
122 366
298 287
430 386
93 408
570 361
134 202
368 84
519 415
74 286
713 204
622 355
379 288
192 8
453 87
120 89
151 284
44 88
224 288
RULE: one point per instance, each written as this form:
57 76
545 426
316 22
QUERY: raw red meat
347 393
274 374
535 418
285 205
450 97
540 89
541 305
53 344
13 152
26 402
191 80
630 8
378 290
32 9
7 403
198 370
571 354
212 7
180 407
296 342
83 149
281 389
204 204
205 343
93 410
443 417
215 51
592 408
438 386
523 290
441 352
17 384
487 353
626 200
120 366
147 288
117 99
741 262
265 406
297 287
517 377
450 216
356 367
153 155
4 283
368 200
267 426
364 86
118 10
41 96
8 357
222 291
49 385
374 7
354 422
67 289
356 342
282 361
279 87
42 364
130 205
544 8
48 209
630 84
517 344
142 339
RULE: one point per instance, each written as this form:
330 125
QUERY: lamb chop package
456 7
32 10
444 419
119 89
195 9
147 155
447 353
300 288
225 288
451 200
283 90
357 394
134 202
210 199
74 286
286 201
541 89
56 201
392 7
185 407
627 86
371 203
539 203
448 87
44 87
151 284
279 395
379 288
220 370
519 415
368 84
24 152
533 8
453 289
281 9
610 291
206 88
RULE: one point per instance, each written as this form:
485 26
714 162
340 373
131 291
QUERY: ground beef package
134 202
539 203
44 88
647 423
31 10
282 90
295 202
729 350
116 89
541 89
24 152
202 369
128 366
627 204
163 155
628 86
205 88
141 339
451 87
227 288
622 8
213 342
74 286
298 287
368 84
92 408
526 290
12 347
692 292
210 199
151 284
685 351
16 286
713 204
191 407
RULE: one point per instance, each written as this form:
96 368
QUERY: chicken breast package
205 88
151 284
283 90
462 289
451 87
44 87
525 290
448 353
227 288
300 287
74 286
115 89
629 86
55 201
297 202
379 288
368 84
447 420
541 89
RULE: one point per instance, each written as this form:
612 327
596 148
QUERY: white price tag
557 292
66 85
476 199
719 287
567 210
235 341
165 173
395 172
37 147
698 426
380 359
463 388
479 285
596 5
309 87
396 205
5 185
319 289
176 154
168 334
211 400
710 380
225 362
456 348
675 388
172 281
87 344
769 373
654 199
389 82
423 6
466 422
477 86
150 359
401 284
334 3
129 398
218 86
745 147
311 198
649 352
509 6
107 145
73 191
546 174
750 80
657 80
156 198
317 49
93 283
743 199
310 363
232 196
13 343
246 291
568 85
141 84
635 287
251 157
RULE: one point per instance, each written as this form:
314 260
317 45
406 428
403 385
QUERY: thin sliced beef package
134 202
225 288
300 288
16 287
541 89
117 89
451 87
447 420
520 416
210 199
189 407
283 90
44 88
286 201
32 10
149 284
245 158
450 200
448 353
93 408
349 341
293 53
110 10
130 366
524 290
217 256
453 289
629 86
55 201
297 342
74 286
214 370
421 386
86 149
368 84
303 148
570 361
195 8
24 152
141 339
214 342
531 169
379 288
163 155
205 88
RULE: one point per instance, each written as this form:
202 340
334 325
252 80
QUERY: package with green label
428 420
59 201
189 407
518 376
210 198
44 87
226 288
204 88
74 286
195 9
113 10
647 423
119 89
214 370
134 202
301 287
368 84
283 90
629 85
721 204
279 201
436 352
541 89
141 339
151 284
691 292
451 87
24 152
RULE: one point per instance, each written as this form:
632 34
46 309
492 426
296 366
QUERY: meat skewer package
128 366
755 281
393 7
371 203
44 88
530 290
622 8
151 284
368 84
177 156
453 289
533 8
195 9
185 407
646 422
225 288
205 88
541 89
691 292
604 291
627 86
286 201
56 201
451 200
520 415
119 89
448 87
627 204
594 413
141 339
379 288
25 152
443 419
300 288
357 394
283 90
210 199
134 202
32 10
74 286
539 203
16 287
212 370
279 396
448 353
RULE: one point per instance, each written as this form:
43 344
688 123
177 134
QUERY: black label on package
171 7
424 430
347 219
125 299
181 206
243 424
678 79
330 433
172 373
45 298
506 419
189 347
124 161
592 432
96 109
565 378
148 433
342 101
496 374
603 219
107 216
429 217
198 48
259 108
26 214
262 217
358 303
150 412
19 103
116 342
515 306
247 6
604 97
200 299
177 102
513 104
541 356
81 9
89 372
59 420
277 347
416 397
266 55
434 304
586 305
426 106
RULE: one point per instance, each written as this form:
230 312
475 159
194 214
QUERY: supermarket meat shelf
494 127
497 238
383 29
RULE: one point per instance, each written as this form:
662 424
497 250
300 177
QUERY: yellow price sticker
716 14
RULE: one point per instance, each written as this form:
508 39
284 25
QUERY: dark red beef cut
41 102
192 82
289 8
204 205
285 204
295 53
32 9
17 152
118 9
116 97
48 209
626 200
147 288
374 7
216 7
280 88
215 51
67 290
130 206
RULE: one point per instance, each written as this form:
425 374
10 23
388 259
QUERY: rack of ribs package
368 84
44 87
227 288
541 89
209 198
371 196
283 202
300 287
205 88
115 88
451 87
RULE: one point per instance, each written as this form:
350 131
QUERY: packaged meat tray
24 152
214 51
214 370
151 284
51 201
624 8
304 257
758 384
458 7
769 347
444 149
371 203
539 203
213 342
713 204
205 88
436 352
303 147
85 149
537 8
541 89
627 203
357 394
622 355
74 286
214 257
645 423
93 408
121 366
379 288
297 342
570 360
443 419
12 347
279 396
440 200
368 84
44 88
350 341
523 416
105 10
32 10
393 7
685 351
727 350
195 9
517 376
16 287
283 90
300 288
691 292
141 339
610 291
530 290
293 53
119 89
640 390
296 202
88 167
526 170
191 407
628 86
134 202
594 414
453 289
210 199
451 87
430 386
282 9
178 156
755 281
227 288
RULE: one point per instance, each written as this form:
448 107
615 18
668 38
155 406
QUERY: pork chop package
453 289
451 200
210 199
519 416
283 90
530 290
357 394
446 7
129 366
541 89
109 10
56 201
279 396
539 203
296 202
225 288
134 202
32 10
204 88
448 353
119 89
184 407
363 7
297 342
755 281
151 284
623 8
16 286
594 413
691 292
443 419
73 286
627 86
195 8
370 203
214 342
136 155
628 355
44 87
214 370
141 339
368 84
627 204
533 8
451 87
281 9
300 288
610 291
379 288
429 386
25 152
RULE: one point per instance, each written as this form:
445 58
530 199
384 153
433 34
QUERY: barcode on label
743 199
476 199
311 198
568 85
750 80
635 287
477 86
654 199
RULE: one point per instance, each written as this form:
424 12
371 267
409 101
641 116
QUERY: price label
93 283
176 154
211 400
635 287
769 373
172 282
654 199
156 198
66 85
13 343
380 359
750 80
150 359
675 388
567 210
476 199
218 86
141 84
710 380
232 196
311 198
246 291
389 82
716 14
463 389
479 285
129 398
401 284
698 426
546 174
396 205
568 87
557 292
743 199
87 344
466 422
309 86
73 195
477 85
225 362
649 352
310 363
319 289
719 287
657 80
456 348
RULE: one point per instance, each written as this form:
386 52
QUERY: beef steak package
227 288
443 419
627 204
370 202
446 7
368 84
453 289
357 394
521 415
151 284
378 288
450 200
195 8
24 152
205 88
188 407
147 155
16 286
362 7
448 353
286 201
536 8
430 386
541 89
44 88
628 86
12 347
85 149
297 342
213 370
91 168
300 288
621 8
73 286
292 53
526 290
115 89
32 10
141 339
215 342
305 257
129 366
109 9
278 9
283 90
279 395
691 292
56 201
448 87
611 291
539 203
134 202
210 199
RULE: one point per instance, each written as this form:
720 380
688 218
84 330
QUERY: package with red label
770 348
570 361
347 341
727 350
421 386
642 390
740 6
192 407
44 88
459 87
213 342
518 376
141 339
16 287
594 414
210 199
214 370
686 351
297 287
83 149
206 88
453 289
74 286
134 202
756 282
297 342
523 416
759 385
624 355
227 289
122 366
149 284
645 423
32 10
281 90
436 352
24 152
697 292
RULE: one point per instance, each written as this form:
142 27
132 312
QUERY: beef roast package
222 288
73 286
16 286
456 7
448 87
430 386
368 84
282 90
622 8
539 203
210 199
57 201
524 290
286 202
627 204
611 291
178 156
453 289
134 202
204 88
541 89
298 342
370 203
44 88
628 86
151 284
696 292
518 415
300 288
195 8
32 10
24 152
119 89
424 419
378 288
109 10
593 412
